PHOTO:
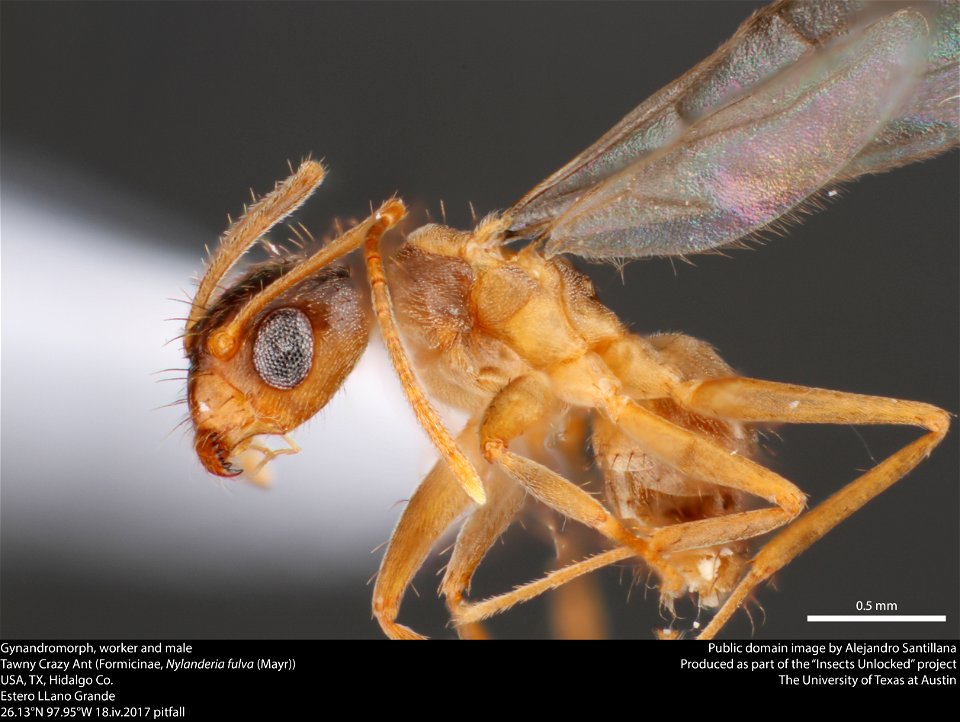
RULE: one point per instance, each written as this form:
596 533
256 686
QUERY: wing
807 92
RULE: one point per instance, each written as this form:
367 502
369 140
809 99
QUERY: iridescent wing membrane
807 93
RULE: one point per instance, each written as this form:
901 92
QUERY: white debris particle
707 568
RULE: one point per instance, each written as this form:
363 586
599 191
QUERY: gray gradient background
130 130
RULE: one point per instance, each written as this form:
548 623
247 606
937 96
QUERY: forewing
772 39
929 123
805 92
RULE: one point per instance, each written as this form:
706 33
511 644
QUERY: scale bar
876 617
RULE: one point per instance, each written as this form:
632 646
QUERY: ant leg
701 458
587 381
519 405
718 530
577 609
465 472
477 535
478 611
436 503
757 401
486 525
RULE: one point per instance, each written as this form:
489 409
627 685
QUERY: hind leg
758 401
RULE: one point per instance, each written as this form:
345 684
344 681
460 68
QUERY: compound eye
283 351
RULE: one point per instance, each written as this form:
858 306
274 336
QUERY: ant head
271 350
287 361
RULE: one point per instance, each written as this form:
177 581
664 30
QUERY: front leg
464 471
436 503
478 534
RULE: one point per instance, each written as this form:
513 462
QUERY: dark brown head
288 360
271 350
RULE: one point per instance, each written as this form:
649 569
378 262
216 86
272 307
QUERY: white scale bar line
876 617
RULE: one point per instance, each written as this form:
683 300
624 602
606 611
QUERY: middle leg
519 405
